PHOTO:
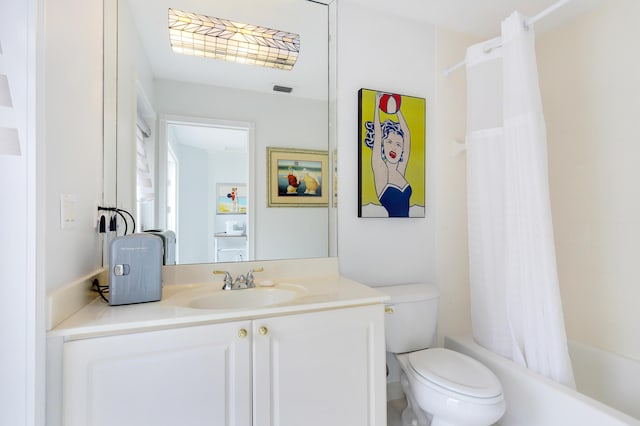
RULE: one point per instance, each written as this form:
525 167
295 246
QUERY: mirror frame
110 122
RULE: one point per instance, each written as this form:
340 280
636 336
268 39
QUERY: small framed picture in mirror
231 198
297 177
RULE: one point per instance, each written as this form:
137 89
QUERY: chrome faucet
241 281
228 280
250 283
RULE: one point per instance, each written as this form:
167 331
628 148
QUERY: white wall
589 75
394 251
193 208
198 173
376 51
73 134
452 261
280 121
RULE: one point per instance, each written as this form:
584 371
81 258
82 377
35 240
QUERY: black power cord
101 289
112 221
133 221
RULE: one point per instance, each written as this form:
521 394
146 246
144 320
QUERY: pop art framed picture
391 154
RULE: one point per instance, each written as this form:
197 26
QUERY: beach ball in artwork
390 103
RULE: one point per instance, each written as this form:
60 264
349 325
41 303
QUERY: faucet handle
228 280
240 282
250 282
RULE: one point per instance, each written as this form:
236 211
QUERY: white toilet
443 387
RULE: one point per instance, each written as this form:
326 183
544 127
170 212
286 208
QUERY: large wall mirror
186 137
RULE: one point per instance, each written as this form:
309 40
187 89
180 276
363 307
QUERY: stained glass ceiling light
209 37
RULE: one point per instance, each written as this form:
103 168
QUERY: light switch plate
67 210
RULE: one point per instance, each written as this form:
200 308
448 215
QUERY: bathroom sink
259 297
248 298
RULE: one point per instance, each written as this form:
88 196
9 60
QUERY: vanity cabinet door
321 368
192 376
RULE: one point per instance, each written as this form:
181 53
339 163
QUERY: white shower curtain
515 300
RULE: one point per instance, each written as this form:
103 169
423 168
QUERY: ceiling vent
283 89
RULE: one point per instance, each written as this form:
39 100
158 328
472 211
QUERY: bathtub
536 400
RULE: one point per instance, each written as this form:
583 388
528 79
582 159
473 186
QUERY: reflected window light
9 138
5 94
9 141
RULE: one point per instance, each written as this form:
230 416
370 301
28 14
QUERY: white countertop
320 293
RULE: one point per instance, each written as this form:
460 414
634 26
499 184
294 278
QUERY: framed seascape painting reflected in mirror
297 177
231 198
391 155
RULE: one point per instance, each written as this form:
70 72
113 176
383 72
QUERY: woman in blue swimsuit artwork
391 145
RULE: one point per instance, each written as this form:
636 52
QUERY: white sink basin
248 298
216 299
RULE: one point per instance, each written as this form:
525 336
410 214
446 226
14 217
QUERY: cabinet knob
263 330
242 333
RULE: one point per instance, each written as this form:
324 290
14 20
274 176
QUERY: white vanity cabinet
192 376
319 369
316 368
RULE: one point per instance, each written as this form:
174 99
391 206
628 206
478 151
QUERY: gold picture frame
297 177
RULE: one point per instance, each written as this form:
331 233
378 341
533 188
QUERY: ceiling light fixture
209 37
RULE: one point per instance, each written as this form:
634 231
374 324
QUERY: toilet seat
454 372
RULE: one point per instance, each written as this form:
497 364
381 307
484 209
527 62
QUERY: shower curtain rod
527 23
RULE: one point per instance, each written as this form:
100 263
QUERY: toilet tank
410 316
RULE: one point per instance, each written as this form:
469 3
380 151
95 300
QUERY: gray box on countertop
135 272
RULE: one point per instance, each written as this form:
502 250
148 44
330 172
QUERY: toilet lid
456 372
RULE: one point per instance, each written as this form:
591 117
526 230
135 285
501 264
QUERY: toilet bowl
442 387
452 388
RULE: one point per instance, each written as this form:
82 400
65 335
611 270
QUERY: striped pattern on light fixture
209 37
